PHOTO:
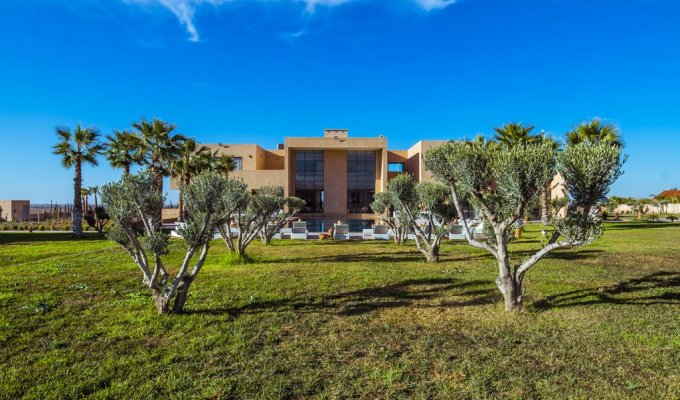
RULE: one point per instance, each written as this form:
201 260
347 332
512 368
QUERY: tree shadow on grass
642 289
564 254
28 237
414 293
370 257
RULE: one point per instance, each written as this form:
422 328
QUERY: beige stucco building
336 175
15 210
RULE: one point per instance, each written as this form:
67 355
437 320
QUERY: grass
344 320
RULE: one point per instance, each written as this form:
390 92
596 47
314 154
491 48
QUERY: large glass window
360 181
309 179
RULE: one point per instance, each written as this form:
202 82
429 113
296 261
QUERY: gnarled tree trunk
161 300
510 287
429 248
182 294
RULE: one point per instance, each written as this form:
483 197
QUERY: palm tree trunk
158 176
545 204
77 202
96 215
180 202
126 170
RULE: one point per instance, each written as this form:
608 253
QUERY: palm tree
124 149
160 149
191 161
85 195
94 190
595 132
75 148
516 134
221 164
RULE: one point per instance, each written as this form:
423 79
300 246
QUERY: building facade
335 174
15 210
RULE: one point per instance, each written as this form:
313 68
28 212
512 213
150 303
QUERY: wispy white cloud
434 4
184 10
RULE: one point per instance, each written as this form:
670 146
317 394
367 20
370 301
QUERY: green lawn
344 320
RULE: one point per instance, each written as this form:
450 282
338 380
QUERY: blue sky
256 71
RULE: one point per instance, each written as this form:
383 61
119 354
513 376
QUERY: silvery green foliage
384 204
206 207
274 210
519 174
432 200
435 200
498 181
404 189
501 181
131 199
589 170
135 201
251 213
579 232
155 242
119 236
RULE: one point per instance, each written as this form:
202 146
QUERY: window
309 179
360 181
395 167
238 163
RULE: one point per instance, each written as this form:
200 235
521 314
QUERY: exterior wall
13 210
416 154
650 209
257 179
330 143
396 156
559 190
335 182
415 165
253 158
274 159
251 155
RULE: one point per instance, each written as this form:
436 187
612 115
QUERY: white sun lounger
381 232
299 230
341 232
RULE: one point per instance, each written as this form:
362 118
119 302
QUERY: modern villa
336 175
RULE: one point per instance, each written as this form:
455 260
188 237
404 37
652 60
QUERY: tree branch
468 234
530 262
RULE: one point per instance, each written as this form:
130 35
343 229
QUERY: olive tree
500 183
275 209
251 213
387 205
134 202
428 209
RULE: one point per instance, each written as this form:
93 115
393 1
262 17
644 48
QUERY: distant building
669 194
15 210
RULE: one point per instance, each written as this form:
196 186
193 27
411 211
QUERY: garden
339 319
